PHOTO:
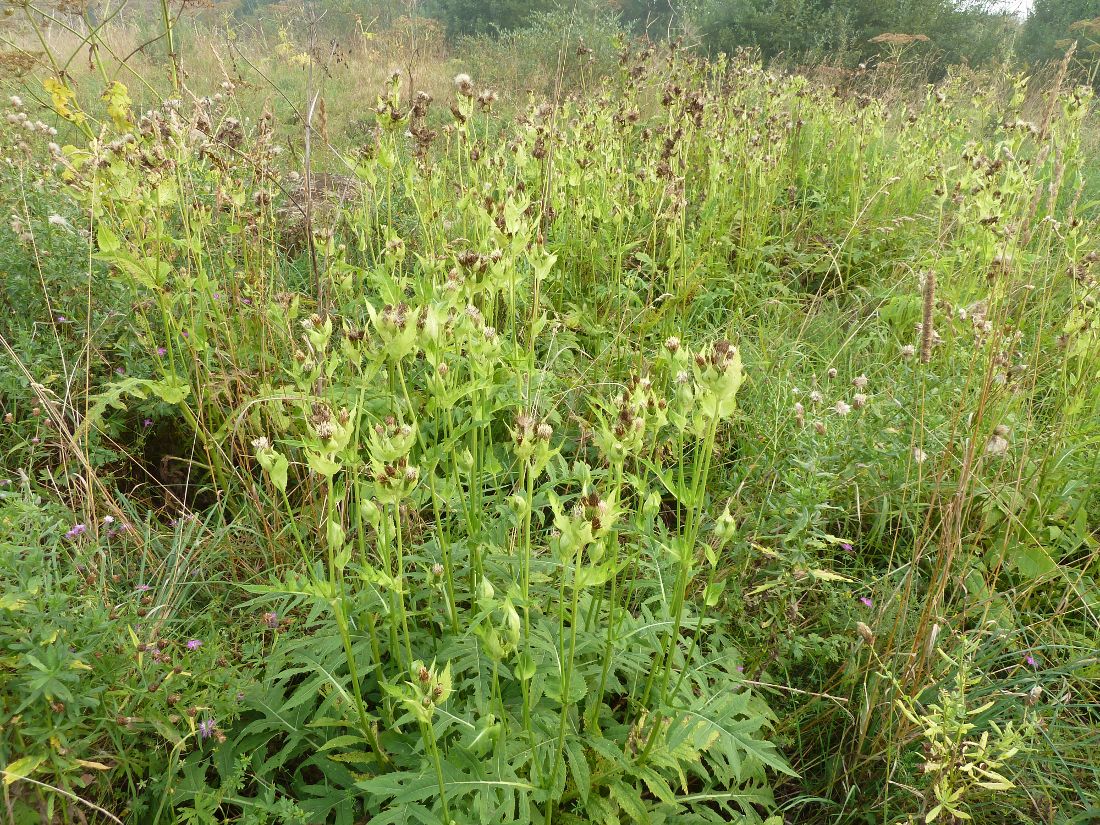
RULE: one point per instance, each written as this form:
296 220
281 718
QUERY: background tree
481 17
958 31
1048 27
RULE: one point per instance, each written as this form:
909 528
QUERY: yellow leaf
827 576
96 766
64 100
22 768
118 105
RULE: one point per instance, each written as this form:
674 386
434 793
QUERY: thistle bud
485 590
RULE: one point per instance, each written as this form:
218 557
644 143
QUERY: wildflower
194 644
142 588
846 547
119 371
819 427
908 351
816 397
832 372
486 99
207 728
147 423
1031 660
16 101
271 619
76 530
866 601
57 220
919 455
859 401
61 319
860 382
672 344
464 85
108 519
161 351
842 408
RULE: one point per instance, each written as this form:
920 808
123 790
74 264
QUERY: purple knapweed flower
186 334
1031 660
76 530
161 351
194 644
61 319
866 601
207 728
119 371
142 588
147 423
846 547
217 296
271 620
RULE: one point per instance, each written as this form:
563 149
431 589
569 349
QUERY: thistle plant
575 441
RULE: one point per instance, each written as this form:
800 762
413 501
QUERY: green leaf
322 464
630 801
278 471
170 390
1033 561
578 767
108 240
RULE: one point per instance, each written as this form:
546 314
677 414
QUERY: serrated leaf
578 768
630 801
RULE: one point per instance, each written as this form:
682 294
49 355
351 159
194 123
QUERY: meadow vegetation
561 428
